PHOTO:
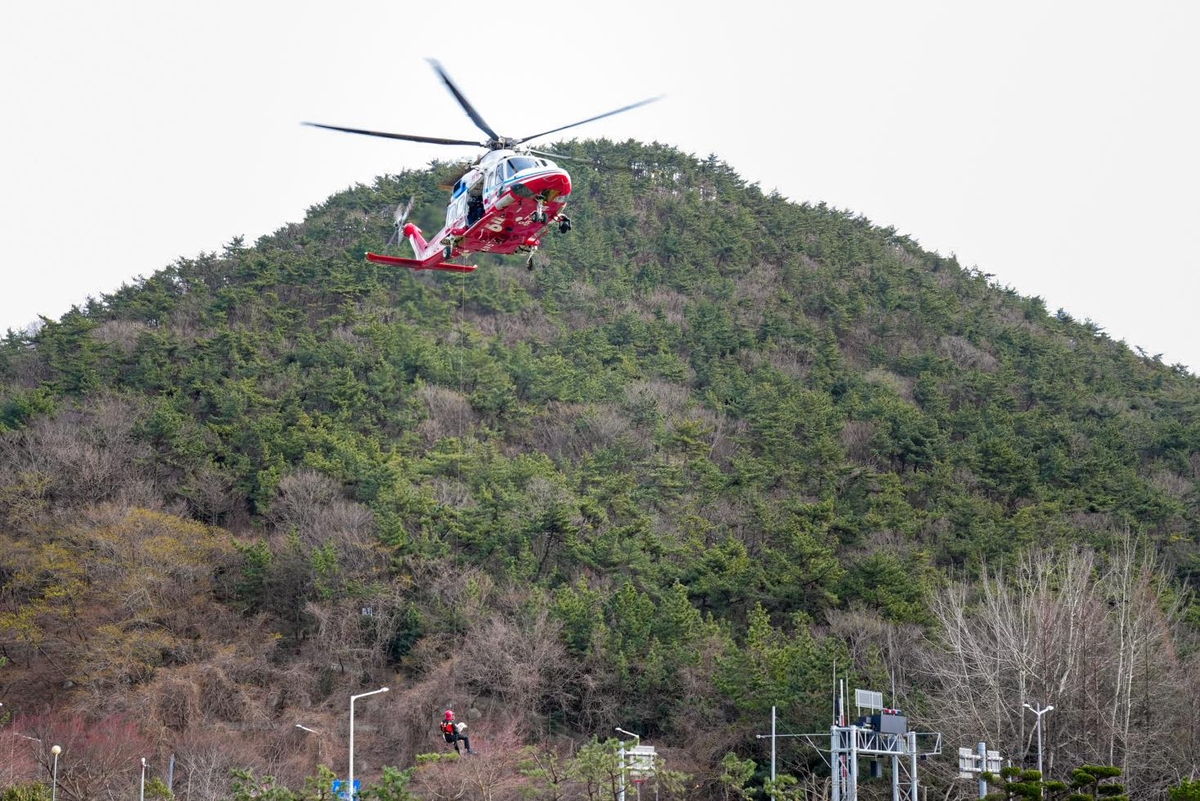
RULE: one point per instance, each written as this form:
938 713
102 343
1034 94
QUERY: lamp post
1039 712
621 756
320 741
12 753
142 795
354 698
56 750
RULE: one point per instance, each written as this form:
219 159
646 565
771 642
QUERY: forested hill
716 443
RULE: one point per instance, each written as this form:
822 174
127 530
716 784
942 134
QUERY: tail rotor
401 215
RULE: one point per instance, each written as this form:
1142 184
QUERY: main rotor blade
595 163
590 119
550 155
433 140
462 101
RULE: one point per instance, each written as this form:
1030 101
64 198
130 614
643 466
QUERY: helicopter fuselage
502 204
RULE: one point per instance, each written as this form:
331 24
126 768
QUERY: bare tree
210 492
204 760
1092 636
100 759
517 658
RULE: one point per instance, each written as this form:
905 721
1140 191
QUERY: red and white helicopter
502 203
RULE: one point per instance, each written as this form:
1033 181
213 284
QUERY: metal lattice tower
880 737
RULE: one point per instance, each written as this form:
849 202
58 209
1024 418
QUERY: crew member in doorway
455 732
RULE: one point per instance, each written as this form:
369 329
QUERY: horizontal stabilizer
432 263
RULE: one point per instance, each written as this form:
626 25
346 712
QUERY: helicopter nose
554 183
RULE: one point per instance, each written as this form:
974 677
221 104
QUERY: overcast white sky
1052 144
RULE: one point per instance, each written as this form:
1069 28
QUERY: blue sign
342 791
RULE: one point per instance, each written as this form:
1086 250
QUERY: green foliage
597 767
26 792
157 788
393 785
1186 790
247 786
773 667
1094 782
1088 783
735 775
896 587
1013 783
22 405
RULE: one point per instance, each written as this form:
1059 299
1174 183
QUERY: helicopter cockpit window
518 163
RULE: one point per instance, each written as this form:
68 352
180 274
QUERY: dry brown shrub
468 589
24 500
554 431
285 751
89 452
709 738
869 638
96 755
345 334
26 368
452 493
524 325
174 702
569 432
448 413
603 427
220 697
355 635
312 504
669 399
299 498
790 360
856 439
669 303
1171 484
517 659
898 384
410 725
757 285
211 494
965 355
122 334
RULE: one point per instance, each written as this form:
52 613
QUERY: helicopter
501 203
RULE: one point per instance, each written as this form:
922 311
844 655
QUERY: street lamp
621 756
56 750
142 796
320 741
354 698
1039 712
12 752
